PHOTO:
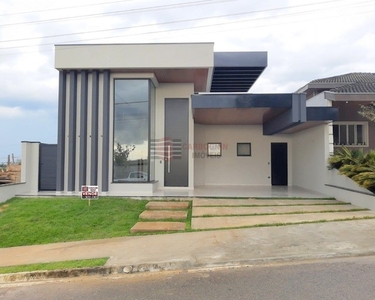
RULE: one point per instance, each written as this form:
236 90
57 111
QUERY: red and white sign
89 192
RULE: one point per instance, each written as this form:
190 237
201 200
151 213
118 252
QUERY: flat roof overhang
236 71
195 63
170 62
277 113
315 116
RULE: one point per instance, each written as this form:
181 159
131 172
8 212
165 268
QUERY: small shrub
355 165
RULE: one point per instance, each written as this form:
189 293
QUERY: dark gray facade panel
83 130
94 128
237 71
242 100
72 130
60 157
240 59
47 167
105 151
322 114
299 107
292 117
279 123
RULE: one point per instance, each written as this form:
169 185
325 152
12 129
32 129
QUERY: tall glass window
131 159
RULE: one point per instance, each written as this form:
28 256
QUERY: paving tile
158 226
232 210
167 205
260 202
232 222
163 214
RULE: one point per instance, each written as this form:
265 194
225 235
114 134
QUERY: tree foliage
121 154
368 111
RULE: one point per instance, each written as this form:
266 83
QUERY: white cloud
10 112
305 40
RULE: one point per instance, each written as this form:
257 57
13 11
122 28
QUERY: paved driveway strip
241 210
261 202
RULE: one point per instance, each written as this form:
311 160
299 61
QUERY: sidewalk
210 248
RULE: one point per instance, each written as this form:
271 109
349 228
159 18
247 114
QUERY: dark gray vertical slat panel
47 167
61 132
72 130
94 128
83 130
105 151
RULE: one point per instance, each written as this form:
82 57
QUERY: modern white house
180 119
138 118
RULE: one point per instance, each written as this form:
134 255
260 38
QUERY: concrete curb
53 274
165 266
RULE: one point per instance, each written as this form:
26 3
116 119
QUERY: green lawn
85 263
31 221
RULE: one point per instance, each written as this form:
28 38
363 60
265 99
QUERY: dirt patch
2 208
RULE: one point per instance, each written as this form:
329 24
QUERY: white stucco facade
230 169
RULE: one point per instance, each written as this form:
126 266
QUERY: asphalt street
350 278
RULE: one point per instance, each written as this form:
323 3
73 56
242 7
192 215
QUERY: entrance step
163 214
247 221
167 205
231 211
157 227
259 202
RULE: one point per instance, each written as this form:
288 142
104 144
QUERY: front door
279 163
176 162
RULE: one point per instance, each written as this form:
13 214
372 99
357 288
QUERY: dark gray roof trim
241 100
237 71
322 113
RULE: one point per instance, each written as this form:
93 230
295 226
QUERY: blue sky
305 40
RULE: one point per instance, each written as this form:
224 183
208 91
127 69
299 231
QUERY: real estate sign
89 192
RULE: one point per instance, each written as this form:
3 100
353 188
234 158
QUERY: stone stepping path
246 221
162 210
260 202
163 215
232 211
155 205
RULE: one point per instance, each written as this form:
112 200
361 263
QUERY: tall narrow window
131 162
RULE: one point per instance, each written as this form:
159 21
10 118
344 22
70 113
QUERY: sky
305 40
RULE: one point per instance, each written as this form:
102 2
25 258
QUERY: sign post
90 192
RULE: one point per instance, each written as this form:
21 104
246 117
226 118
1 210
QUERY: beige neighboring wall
311 149
30 166
118 56
29 174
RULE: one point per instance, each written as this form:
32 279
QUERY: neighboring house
136 118
346 93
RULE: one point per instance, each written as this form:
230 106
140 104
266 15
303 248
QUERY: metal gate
47 167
